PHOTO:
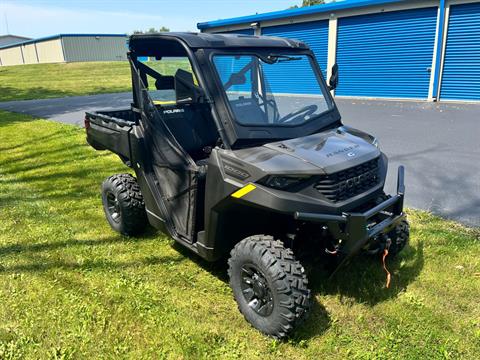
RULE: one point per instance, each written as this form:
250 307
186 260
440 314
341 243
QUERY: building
420 49
65 48
11 39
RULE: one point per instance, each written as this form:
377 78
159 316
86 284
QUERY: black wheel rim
113 207
256 290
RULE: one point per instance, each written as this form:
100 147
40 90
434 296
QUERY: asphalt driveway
437 142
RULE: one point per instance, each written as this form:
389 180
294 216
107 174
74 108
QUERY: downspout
438 60
63 49
21 52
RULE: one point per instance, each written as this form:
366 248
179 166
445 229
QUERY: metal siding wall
30 54
11 56
101 48
241 31
50 51
386 54
461 69
315 34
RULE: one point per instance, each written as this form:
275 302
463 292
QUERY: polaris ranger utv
242 151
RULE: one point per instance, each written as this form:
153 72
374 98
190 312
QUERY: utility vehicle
242 152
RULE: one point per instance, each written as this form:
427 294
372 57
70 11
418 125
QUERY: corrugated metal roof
57 37
11 39
14 36
316 9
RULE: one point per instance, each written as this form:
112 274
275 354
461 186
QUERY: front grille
347 183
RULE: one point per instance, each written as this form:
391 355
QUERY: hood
325 152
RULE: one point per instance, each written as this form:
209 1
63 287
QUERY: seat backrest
183 84
247 111
165 83
193 127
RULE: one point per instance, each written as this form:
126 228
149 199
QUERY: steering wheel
304 112
273 105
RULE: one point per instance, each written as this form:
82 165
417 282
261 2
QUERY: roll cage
199 49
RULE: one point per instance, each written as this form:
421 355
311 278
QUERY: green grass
42 81
70 287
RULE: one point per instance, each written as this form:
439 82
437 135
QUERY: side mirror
333 82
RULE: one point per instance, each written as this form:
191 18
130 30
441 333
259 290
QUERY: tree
312 2
152 30
306 3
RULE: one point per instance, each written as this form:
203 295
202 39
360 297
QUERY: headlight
282 182
375 142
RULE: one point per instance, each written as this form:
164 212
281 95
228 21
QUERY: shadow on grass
33 253
49 246
9 93
317 323
361 281
88 265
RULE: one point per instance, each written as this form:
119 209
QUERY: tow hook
331 252
383 243
335 249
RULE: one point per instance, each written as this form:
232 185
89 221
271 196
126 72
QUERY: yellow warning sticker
243 191
164 102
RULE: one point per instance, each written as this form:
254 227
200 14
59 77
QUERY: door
314 34
169 171
461 69
386 55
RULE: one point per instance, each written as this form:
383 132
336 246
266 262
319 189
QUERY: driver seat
192 125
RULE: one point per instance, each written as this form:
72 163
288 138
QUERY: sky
37 18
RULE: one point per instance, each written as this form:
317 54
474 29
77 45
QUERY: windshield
275 90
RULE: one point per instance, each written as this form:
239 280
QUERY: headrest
165 83
184 76
184 86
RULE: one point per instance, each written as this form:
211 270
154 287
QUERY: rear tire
269 285
123 204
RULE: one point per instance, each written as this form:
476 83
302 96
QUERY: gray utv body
205 177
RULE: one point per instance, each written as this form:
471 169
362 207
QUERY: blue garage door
315 34
387 54
461 69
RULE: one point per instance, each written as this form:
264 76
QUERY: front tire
123 204
269 285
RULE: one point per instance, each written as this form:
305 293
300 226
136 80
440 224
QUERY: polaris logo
173 111
341 151
358 181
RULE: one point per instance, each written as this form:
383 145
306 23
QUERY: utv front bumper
355 230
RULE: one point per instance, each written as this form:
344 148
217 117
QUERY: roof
58 36
316 9
11 39
15 36
145 43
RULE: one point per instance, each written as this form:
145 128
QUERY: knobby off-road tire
399 236
123 204
269 285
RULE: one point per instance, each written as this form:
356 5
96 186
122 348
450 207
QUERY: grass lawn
42 81
72 288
